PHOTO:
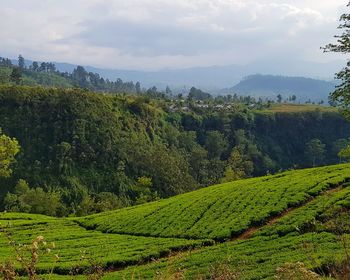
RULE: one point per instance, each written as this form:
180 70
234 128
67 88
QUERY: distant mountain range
213 78
270 86
220 79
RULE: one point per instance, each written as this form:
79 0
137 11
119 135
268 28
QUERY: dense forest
85 152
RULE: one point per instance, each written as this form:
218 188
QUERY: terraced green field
72 241
259 224
223 211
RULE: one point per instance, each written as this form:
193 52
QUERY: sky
166 34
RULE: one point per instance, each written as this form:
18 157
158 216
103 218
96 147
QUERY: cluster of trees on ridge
46 74
83 152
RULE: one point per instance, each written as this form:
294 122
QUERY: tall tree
138 87
341 95
344 153
216 144
279 98
21 62
16 76
35 66
238 166
314 150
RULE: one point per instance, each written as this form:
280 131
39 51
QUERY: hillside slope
222 211
288 217
270 86
82 144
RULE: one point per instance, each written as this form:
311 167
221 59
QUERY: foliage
300 232
239 167
223 211
314 150
344 153
46 74
76 247
9 147
79 144
34 200
341 94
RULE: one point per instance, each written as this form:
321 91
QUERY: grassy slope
298 234
70 240
297 108
221 211
294 237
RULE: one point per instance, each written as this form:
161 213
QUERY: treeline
83 152
46 74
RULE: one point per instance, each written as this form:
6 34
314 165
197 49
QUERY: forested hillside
46 74
302 88
90 152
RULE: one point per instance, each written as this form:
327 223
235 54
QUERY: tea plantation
253 226
223 211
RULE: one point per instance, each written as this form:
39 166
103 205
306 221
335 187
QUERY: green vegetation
262 223
223 211
8 150
295 108
73 241
45 74
285 89
94 152
341 95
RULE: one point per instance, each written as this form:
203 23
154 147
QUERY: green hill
260 223
81 144
223 211
270 86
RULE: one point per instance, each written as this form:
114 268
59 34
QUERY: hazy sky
153 34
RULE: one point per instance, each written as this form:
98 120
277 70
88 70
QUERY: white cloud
154 34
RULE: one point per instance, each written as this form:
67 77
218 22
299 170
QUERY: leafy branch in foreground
341 95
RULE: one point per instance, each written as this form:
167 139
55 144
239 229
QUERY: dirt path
252 230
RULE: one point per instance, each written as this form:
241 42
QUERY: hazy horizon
158 35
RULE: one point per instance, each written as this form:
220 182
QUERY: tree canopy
341 95
9 147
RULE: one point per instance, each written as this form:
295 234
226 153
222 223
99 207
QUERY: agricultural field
297 108
72 241
223 211
252 226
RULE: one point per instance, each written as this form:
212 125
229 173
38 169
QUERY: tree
344 153
138 87
314 150
35 66
16 76
21 62
338 146
215 144
168 91
35 200
9 147
341 95
238 166
197 94
4 77
279 98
